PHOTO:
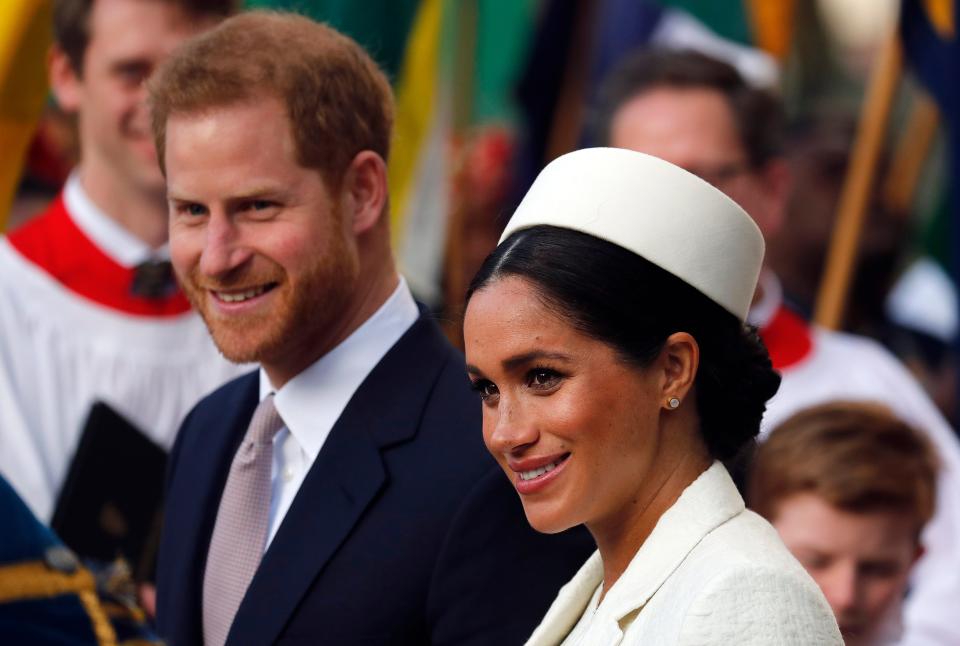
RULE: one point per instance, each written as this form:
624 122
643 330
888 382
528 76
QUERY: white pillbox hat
659 211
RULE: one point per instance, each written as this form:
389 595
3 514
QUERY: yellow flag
25 36
941 16
772 22
415 107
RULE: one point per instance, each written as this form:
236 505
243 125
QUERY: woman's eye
486 389
543 378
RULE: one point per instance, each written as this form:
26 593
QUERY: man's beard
306 311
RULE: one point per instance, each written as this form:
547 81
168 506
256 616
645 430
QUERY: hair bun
734 386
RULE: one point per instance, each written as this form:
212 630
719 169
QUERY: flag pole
911 154
25 35
851 211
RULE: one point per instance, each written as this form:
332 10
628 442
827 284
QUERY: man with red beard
89 312
341 494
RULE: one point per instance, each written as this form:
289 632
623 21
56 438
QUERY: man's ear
64 81
679 360
365 190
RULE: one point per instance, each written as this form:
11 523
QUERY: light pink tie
240 532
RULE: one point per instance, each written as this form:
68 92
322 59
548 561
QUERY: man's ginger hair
338 101
857 457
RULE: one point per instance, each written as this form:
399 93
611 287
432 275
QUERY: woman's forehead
510 317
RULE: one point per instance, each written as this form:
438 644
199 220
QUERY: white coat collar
708 502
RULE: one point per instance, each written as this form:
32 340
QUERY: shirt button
287 474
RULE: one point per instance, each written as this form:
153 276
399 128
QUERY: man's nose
224 249
841 588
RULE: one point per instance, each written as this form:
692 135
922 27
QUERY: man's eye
879 570
133 74
816 563
260 205
543 378
192 209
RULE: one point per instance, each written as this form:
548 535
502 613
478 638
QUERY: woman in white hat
605 336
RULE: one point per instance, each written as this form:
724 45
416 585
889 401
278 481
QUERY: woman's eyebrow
517 360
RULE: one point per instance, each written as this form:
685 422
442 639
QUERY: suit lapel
342 482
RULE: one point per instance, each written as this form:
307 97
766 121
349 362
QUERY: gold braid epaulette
34 580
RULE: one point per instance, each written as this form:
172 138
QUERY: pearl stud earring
673 403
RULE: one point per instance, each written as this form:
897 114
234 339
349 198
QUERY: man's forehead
684 125
124 24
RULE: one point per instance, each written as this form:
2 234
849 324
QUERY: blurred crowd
101 356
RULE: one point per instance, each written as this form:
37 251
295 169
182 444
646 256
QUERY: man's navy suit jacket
403 532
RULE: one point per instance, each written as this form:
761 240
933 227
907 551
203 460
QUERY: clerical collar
120 245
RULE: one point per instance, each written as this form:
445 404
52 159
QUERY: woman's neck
619 538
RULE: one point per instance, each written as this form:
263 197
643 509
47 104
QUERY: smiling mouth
245 295
547 468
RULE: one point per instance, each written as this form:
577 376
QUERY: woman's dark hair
621 299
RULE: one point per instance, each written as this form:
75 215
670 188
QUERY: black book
110 502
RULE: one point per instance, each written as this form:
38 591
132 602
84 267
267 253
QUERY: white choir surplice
818 366
61 350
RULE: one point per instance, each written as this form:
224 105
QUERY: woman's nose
512 427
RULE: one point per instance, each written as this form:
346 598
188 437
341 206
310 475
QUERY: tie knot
265 423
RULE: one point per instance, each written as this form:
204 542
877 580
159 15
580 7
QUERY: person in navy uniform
47 597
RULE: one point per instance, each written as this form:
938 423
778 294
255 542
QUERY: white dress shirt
311 402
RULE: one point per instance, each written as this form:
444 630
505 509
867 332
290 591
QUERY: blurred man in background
89 310
849 487
700 114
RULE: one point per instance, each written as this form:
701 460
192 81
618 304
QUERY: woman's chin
547 523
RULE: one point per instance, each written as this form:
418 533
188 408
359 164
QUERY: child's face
861 561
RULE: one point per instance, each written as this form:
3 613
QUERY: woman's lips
533 474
